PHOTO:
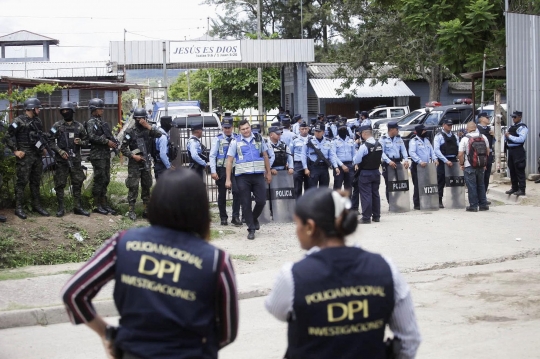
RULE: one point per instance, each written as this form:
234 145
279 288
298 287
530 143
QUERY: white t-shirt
464 145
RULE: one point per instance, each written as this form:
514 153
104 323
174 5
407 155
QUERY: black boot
99 209
77 208
60 212
106 207
236 221
37 208
2 219
131 213
20 213
18 204
145 211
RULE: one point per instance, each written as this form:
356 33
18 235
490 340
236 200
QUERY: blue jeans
474 179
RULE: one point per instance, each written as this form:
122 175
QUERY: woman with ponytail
338 299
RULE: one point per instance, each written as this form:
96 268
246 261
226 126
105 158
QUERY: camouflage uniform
100 157
21 137
63 133
137 170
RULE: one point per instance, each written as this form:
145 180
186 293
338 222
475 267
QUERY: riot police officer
67 137
102 142
317 156
26 140
300 178
196 151
282 156
218 170
136 146
344 148
446 146
515 139
394 151
368 159
421 153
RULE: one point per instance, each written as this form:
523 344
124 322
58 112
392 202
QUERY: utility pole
165 81
188 86
483 84
125 72
259 69
498 135
210 105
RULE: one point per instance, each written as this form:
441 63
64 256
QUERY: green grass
4 275
214 233
244 257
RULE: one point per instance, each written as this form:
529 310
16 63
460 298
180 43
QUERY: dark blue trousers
248 184
300 179
319 177
368 184
222 194
344 179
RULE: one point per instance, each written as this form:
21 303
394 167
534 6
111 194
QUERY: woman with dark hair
338 299
175 292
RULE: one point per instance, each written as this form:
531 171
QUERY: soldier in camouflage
67 137
2 132
100 156
139 168
28 151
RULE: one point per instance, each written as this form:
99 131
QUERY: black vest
485 132
512 130
165 293
450 146
372 160
24 137
65 138
343 298
280 151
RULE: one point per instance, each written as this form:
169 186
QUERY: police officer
197 157
486 130
28 150
446 146
337 300
286 135
67 137
316 165
300 178
330 129
297 120
175 292
161 159
344 148
312 122
256 128
252 168
394 151
218 170
364 119
100 155
282 156
515 139
368 160
136 146
421 153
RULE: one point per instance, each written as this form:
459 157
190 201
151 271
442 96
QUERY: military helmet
32 103
140 112
95 103
67 105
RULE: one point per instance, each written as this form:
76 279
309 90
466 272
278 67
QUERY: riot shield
454 192
428 188
282 199
398 189
266 215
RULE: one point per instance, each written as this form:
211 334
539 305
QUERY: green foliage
20 96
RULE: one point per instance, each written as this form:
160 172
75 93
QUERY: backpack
477 154
172 150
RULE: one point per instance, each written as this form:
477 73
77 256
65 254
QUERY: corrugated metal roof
26 37
460 86
46 69
326 88
523 77
254 53
328 70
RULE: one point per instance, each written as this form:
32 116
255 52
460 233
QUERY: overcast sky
84 28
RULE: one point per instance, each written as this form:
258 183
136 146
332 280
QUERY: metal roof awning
93 85
26 38
494 73
326 88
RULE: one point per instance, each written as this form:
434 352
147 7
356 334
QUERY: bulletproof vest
67 135
223 147
372 160
343 298
485 132
280 151
136 133
165 293
512 130
450 145
98 127
23 136
249 158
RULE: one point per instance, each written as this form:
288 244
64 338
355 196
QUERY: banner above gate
204 51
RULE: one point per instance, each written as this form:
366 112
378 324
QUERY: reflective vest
249 158
223 147
343 299
165 294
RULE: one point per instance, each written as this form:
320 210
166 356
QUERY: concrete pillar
46 55
3 55
300 89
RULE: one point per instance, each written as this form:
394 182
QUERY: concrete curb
57 314
497 194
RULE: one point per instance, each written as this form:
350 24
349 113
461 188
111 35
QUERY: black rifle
69 151
42 142
319 154
143 151
109 135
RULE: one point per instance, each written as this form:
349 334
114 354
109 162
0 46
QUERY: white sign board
204 51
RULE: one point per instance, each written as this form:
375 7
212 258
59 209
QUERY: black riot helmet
67 105
140 113
95 103
32 103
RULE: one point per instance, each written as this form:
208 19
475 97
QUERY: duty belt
319 164
347 162
512 147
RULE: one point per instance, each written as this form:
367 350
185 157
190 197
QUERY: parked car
175 109
411 118
433 119
384 113
490 109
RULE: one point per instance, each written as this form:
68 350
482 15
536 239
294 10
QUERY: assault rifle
69 151
319 154
42 142
143 151
109 135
